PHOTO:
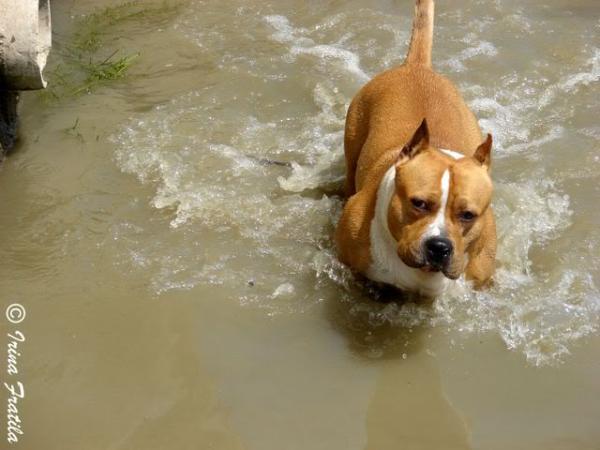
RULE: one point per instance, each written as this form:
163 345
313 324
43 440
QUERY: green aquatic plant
109 69
91 56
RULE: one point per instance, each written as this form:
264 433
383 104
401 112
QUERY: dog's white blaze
452 153
436 227
386 266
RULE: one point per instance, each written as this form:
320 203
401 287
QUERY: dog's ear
418 142
483 154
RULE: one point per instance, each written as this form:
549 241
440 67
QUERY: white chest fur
386 266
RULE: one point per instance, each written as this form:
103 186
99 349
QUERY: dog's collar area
452 153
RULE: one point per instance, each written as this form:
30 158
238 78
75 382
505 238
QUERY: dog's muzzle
438 252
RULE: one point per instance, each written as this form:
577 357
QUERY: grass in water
91 57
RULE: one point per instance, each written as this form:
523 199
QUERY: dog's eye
419 204
466 216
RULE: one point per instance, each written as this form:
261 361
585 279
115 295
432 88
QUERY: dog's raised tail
419 51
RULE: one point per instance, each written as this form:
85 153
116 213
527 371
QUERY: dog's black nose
438 251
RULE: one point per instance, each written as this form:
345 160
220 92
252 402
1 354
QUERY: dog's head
440 198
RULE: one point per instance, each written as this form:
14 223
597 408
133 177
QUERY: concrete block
25 40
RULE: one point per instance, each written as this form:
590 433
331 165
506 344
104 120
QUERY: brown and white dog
418 178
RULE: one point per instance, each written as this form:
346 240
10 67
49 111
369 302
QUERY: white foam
572 81
321 139
285 33
457 63
284 290
350 60
326 52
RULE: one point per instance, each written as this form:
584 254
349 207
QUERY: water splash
213 171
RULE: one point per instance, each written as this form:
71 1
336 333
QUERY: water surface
173 249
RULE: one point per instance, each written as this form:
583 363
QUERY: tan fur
380 123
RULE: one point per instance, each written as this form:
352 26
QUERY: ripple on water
247 193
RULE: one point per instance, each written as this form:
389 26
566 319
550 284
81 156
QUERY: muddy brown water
182 291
